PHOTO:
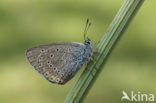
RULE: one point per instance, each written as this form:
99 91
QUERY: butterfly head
88 42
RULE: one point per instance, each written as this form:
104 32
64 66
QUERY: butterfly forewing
57 62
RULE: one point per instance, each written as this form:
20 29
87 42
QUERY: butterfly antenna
86 28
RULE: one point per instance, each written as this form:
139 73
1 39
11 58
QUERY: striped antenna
88 23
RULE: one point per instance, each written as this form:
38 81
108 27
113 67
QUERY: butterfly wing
57 62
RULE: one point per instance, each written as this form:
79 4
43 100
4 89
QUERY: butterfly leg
91 71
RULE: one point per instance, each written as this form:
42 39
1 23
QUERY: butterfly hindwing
57 62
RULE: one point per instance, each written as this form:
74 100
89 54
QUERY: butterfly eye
88 42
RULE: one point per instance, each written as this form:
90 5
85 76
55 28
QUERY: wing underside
57 62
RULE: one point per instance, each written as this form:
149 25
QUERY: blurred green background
28 23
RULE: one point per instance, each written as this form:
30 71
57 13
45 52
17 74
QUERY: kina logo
137 97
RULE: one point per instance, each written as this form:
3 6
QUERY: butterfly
59 62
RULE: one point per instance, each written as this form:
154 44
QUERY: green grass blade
107 43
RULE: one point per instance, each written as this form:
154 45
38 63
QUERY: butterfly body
59 62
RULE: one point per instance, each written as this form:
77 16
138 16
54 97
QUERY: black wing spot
54 68
50 65
57 49
51 79
42 50
51 55
45 74
48 61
